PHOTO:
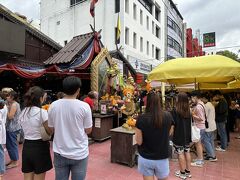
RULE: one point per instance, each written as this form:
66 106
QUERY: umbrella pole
195 84
163 94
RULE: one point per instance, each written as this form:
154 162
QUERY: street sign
209 39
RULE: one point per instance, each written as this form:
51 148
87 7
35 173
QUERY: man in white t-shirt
71 120
208 136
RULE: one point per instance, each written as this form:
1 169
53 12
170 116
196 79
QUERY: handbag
195 133
44 135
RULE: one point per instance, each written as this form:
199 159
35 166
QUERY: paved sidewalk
100 168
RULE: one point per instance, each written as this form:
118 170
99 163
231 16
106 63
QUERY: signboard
209 39
143 66
146 67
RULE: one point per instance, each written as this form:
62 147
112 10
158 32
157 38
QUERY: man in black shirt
221 110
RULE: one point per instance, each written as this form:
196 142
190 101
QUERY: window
141 17
152 27
172 43
141 44
65 42
157 31
147 22
171 24
147 4
157 14
127 36
147 47
58 22
74 2
135 40
157 54
127 6
117 6
153 51
135 11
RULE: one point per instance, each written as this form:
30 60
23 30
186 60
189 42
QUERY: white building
143 26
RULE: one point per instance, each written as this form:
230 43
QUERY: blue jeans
63 167
12 145
2 160
208 142
221 127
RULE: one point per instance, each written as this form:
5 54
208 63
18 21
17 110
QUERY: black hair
13 95
205 95
196 93
217 92
154 108
32 97
71 84
60 95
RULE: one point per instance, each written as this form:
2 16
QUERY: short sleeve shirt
31 120
155 141
70 118
200 112
182 129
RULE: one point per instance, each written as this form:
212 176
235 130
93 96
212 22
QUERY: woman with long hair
36 159
12 128
182 134
152 136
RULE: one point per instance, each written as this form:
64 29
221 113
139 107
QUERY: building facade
143 26
175 31
193 47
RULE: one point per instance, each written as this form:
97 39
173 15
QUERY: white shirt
70 118
3 118
31 120
210 112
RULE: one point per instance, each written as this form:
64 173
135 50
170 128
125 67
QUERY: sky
220 16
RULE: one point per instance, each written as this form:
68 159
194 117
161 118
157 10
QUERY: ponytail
32 97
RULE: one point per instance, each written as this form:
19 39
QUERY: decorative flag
92 7
118 30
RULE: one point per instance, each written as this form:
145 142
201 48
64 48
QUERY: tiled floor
100 167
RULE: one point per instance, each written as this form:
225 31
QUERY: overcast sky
220 16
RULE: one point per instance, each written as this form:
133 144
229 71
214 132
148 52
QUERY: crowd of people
202 115
69 121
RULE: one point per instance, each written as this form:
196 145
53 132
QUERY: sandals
10 166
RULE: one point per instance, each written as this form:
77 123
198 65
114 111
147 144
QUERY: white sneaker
180 175
197 163
220 149
177 174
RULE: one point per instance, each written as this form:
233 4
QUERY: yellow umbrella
208 69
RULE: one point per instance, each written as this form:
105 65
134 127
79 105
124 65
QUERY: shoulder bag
195 133
45 136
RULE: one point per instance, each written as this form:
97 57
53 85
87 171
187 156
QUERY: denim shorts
158 168
2 160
